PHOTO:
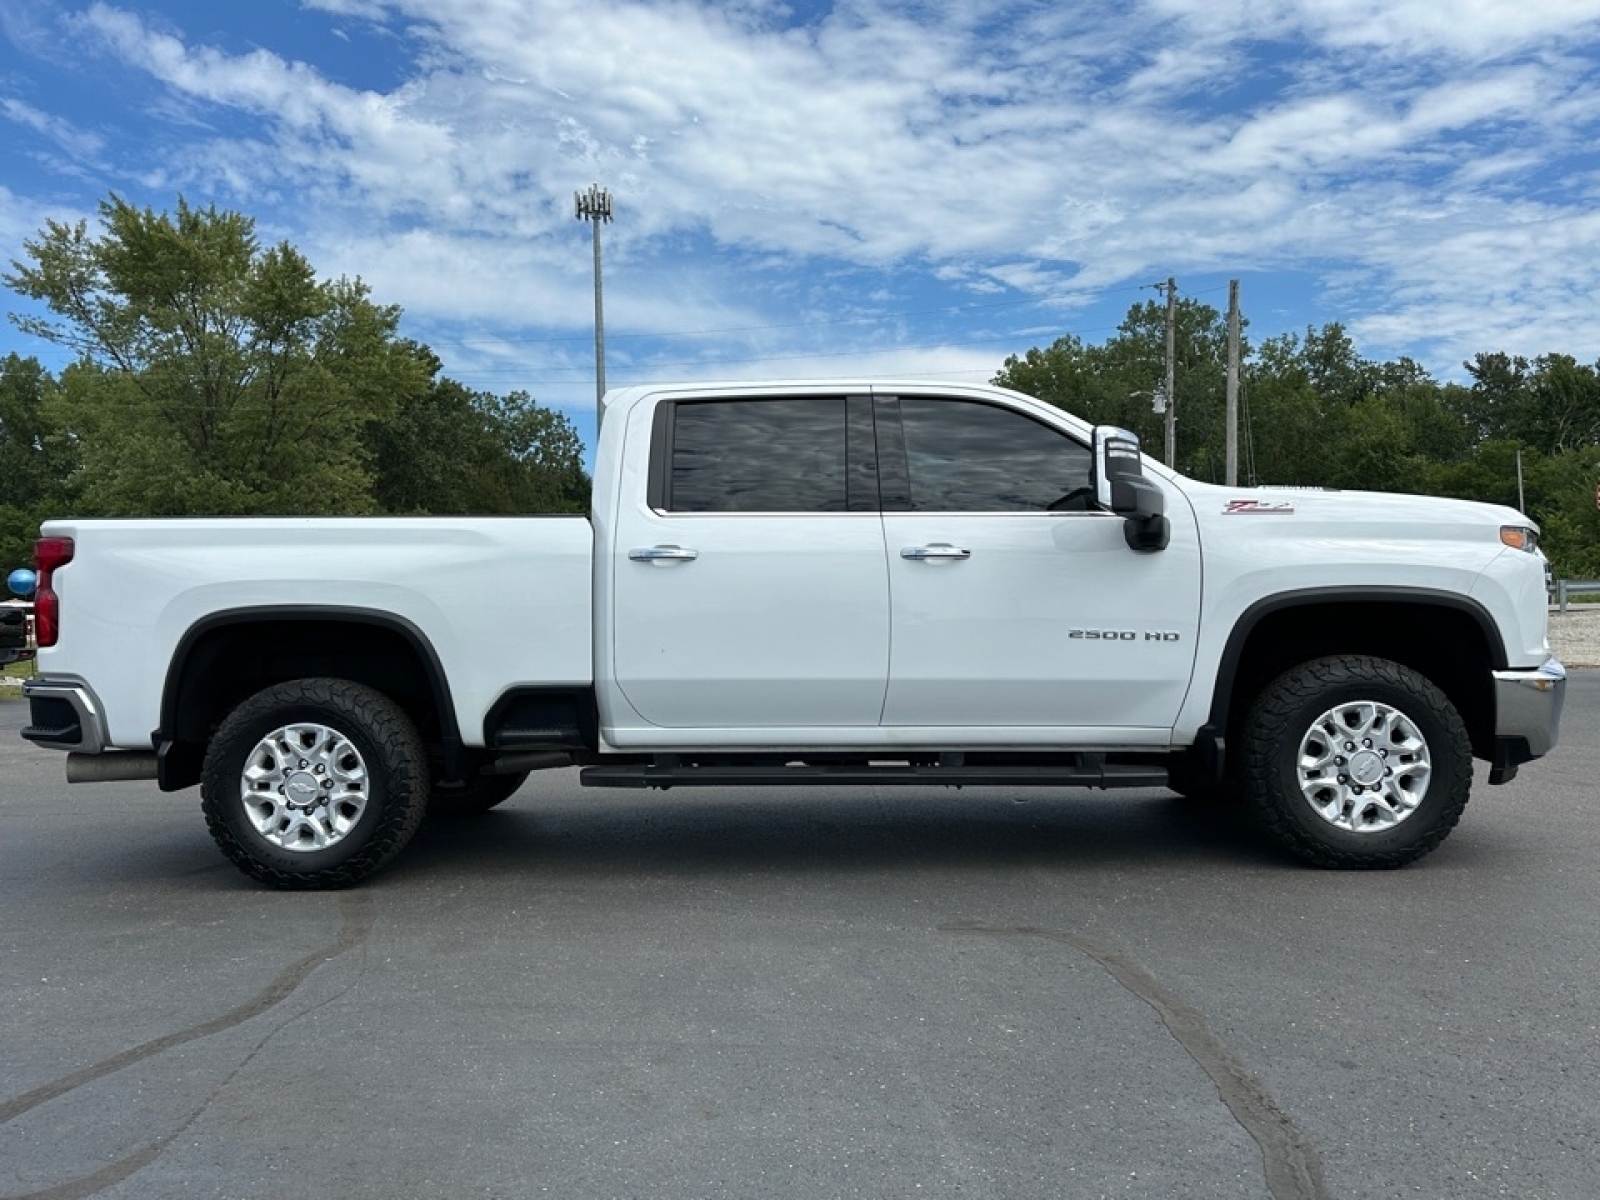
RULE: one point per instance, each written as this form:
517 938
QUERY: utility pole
1171 288
1233 384
595 206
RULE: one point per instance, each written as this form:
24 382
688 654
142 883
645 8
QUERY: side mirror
1120 487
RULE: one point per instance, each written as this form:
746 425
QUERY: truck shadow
811 831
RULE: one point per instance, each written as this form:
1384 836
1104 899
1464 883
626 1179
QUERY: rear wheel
314 783
1356 762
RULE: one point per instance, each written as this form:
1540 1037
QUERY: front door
1014 604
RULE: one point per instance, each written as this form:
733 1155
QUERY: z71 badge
1240 508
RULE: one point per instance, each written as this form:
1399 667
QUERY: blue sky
854 188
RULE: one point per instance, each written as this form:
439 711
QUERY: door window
784 455
969 457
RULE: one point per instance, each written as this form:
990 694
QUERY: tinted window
758 456
966 457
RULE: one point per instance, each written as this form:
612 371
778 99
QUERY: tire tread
1275 718
381 721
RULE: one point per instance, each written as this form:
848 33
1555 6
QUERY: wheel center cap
1366 768
301 790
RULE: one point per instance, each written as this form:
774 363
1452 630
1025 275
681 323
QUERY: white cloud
1470 283
1472 29
75 142
763 167
367 10
19 219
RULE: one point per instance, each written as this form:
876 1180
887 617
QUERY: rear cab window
802 454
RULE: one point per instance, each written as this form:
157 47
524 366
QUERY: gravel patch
1575 636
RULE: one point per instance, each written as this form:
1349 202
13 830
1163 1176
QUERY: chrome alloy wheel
304 787
1364 766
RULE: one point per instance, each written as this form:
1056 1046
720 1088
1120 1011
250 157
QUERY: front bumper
1527 708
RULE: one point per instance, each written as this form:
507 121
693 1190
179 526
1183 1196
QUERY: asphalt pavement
885 992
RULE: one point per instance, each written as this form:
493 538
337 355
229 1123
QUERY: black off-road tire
1283 716
473 796
396 791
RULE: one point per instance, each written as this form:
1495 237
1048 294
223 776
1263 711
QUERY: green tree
547 452
1429 411
1491 406
1316 419
1563 409
213 375
34 459
451 450
1076 378
1321 415
1283 422
1559 490
1113 383
1316 413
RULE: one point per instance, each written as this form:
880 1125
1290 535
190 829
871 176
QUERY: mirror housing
1120 487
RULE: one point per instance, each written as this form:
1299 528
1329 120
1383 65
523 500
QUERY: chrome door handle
663 554
936 550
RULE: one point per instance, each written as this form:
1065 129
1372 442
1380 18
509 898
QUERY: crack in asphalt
114 1173
1288 1158
80 1189
358 915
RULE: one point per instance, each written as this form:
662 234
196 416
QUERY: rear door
750 579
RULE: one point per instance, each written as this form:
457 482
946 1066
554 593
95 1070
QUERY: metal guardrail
1574 587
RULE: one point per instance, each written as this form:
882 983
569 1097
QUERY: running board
1091 771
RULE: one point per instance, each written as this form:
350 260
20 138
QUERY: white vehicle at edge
798 582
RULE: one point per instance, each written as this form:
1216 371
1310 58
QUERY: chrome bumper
1527 707
64 716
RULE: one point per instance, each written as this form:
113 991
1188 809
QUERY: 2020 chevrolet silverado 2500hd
809 582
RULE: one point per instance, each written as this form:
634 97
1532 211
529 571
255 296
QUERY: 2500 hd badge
1121 635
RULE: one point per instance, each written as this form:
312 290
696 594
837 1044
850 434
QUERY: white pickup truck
810 583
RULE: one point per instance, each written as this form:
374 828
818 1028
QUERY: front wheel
314 783
1356 762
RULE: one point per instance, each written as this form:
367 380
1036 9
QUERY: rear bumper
64 715
1528 712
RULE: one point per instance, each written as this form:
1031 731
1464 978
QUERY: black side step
1091 772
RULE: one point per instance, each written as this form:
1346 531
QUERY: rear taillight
48 554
